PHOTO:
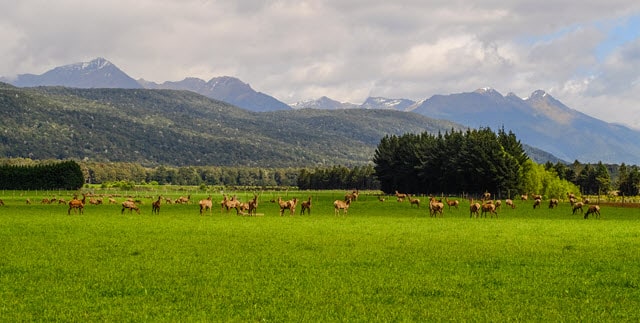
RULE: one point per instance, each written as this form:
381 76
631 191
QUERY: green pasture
383 261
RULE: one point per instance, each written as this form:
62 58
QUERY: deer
414 201
77 204
453 203
474 208
253 205
509 202
131 205
290 205
401 196
577 206
536 203
205 205
435 207
488 207
155 206
233 203
593 209
353 195
1 202
341 205
306 206
553 203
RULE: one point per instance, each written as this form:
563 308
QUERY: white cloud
347 50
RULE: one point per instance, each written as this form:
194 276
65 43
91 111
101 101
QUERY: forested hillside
166 127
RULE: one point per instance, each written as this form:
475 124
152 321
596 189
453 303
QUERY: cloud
346 50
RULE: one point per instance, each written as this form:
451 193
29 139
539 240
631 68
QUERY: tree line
408 169
65 175
471 161
338 177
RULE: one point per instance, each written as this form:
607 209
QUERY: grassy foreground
382 262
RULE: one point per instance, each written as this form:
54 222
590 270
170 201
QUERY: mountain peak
93 65
538 94
488 92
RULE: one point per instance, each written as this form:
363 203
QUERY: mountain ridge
538 120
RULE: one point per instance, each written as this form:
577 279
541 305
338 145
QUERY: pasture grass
383 261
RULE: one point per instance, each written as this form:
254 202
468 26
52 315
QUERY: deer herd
478 208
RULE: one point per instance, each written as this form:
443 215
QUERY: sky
584 53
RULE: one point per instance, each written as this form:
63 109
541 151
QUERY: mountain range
538 120
183 128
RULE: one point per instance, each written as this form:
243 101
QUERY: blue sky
585 54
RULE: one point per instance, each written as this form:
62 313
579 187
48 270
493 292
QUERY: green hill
166 127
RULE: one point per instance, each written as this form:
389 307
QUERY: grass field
383 261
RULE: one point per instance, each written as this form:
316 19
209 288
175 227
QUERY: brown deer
401 196
232 203
453 203
488 207
205 205
1 202
253 206
474 208
131 205
414 201
553 203
183 200
155 206
77 204
578 206
287 205
509 202
306 206
352 196
341 205
593 209
536 203
435 207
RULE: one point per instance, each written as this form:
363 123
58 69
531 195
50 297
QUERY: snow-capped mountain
227 89
324 103
98 73
387 104
540 121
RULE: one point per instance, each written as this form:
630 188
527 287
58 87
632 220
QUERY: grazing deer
131 205
509 202
414 201
593 209
578 206
536 203
488 207
553 203
341 205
